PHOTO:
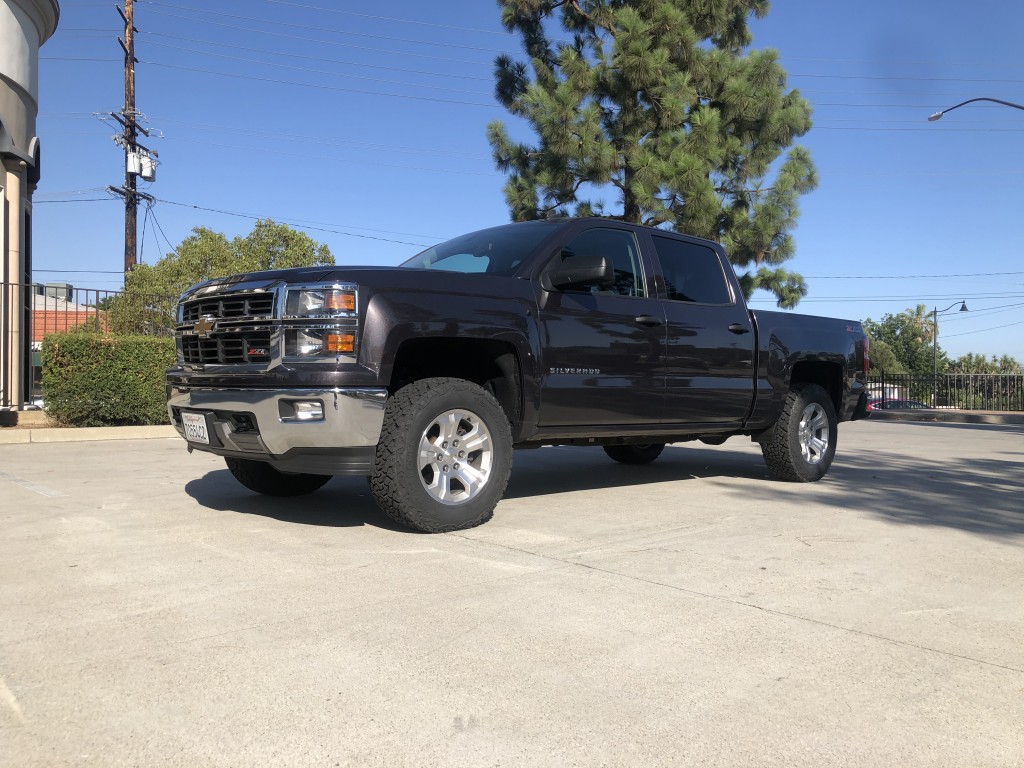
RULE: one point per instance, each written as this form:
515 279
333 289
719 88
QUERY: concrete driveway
689 613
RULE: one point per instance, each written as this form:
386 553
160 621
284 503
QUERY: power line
82 271
319 85
319 71
982 330
316 28
321 59
387 18
338 43
315 229
909 277
77 200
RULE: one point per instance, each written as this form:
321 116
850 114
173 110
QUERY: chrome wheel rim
813 433
456 454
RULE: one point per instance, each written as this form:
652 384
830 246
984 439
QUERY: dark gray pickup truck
425 376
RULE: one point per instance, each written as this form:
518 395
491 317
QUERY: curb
81 434
950 417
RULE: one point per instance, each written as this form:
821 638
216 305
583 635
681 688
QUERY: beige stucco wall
24 26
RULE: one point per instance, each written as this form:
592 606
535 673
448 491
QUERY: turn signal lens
339 301
339 343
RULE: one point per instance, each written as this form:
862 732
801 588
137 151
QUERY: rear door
709 358
603 343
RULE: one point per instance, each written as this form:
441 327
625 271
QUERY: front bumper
261 425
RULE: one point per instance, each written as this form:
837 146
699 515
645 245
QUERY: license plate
195 427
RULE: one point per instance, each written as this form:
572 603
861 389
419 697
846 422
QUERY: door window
620 248
692 272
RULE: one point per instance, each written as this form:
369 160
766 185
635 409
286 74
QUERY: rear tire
444 456
801 445
643 453
261 477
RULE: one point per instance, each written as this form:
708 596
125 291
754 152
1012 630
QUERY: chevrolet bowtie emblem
204 326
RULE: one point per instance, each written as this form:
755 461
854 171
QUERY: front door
603 343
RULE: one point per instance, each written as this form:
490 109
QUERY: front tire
444 456
261 477
801 445
635 454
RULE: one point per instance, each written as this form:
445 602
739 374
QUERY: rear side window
692 272
620 248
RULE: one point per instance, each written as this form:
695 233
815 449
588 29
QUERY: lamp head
963 307
935 116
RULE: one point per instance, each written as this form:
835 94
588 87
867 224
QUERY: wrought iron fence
966 391
33 311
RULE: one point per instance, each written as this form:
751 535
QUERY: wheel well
829 376
492 365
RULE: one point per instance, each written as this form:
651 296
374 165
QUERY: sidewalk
33 427
950 416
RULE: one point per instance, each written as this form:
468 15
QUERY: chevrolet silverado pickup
424 377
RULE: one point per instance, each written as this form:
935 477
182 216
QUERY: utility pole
136 162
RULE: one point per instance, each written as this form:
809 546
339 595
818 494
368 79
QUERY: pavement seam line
783 614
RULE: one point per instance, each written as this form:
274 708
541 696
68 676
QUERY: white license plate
195 427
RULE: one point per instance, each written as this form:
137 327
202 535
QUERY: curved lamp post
938 115
935 337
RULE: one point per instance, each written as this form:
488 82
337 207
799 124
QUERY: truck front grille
231 306
227 348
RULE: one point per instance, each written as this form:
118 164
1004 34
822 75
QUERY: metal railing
30 312
965 391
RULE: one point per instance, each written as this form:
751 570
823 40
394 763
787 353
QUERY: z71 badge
575 371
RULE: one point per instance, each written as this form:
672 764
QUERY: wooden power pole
131 135
129 140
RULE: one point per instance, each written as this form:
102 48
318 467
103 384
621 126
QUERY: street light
935 337
938 115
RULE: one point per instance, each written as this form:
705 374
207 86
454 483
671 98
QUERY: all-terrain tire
635 454
444 456
801 445
261 477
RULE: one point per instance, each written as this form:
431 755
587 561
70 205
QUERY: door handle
739 328
649 320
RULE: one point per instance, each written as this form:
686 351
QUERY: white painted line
42 490
11 701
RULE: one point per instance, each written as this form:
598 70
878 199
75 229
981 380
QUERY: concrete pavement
690 613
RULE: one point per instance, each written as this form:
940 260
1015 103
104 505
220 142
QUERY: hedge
92 380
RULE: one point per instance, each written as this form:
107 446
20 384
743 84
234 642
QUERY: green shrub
92 380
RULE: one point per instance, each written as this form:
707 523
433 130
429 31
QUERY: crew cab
424 377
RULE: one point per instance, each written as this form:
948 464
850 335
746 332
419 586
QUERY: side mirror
578 271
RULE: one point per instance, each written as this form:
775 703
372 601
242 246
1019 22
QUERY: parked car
900 404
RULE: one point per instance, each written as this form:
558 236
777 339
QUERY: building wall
24 26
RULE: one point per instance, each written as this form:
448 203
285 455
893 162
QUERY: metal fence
30 312
966 391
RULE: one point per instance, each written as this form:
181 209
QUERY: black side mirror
578 271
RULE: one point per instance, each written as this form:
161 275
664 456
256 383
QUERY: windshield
496 251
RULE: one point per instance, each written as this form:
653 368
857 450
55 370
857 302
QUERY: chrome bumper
260 424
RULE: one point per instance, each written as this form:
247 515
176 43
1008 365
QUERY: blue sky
364 125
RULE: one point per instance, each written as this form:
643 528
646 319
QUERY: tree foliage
661 103
974 363
150 292
905 338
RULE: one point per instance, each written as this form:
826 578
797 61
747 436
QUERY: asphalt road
690 613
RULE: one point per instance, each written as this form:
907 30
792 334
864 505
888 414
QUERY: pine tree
661 103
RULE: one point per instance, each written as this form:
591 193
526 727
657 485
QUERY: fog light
301 410
309 410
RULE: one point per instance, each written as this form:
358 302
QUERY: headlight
317 342
321 302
